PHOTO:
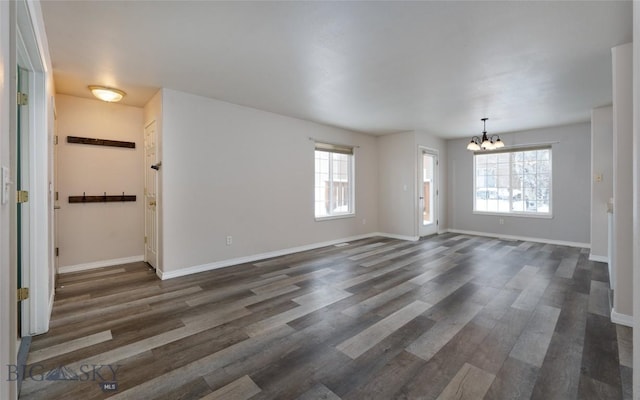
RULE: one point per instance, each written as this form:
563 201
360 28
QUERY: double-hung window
513 182
334 193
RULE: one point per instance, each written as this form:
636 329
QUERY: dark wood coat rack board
100 142
102 199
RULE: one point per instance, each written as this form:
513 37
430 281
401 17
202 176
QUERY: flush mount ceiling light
486 142
110 95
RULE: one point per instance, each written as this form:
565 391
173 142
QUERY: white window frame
337 149
527 214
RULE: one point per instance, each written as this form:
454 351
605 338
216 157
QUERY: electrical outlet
364 221
501 221
229 240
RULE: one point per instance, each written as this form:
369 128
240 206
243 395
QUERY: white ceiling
374 67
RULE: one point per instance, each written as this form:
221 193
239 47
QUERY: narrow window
334 194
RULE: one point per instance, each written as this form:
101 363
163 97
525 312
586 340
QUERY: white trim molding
255 257
399 237
99 264
621 319
524 238
593 257
277 253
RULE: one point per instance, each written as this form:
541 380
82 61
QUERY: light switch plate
6 184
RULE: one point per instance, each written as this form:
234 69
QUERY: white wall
398 182
570 193
99 232
246 173
602 190
622 181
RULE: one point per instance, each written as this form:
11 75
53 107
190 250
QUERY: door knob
152 203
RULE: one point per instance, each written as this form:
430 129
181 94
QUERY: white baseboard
48 321
399 237
593 257
99 264
523 238
621 319
256 257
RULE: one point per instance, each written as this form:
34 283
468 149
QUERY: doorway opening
150 195
427 191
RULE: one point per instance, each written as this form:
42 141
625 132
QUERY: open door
152 168
22 212
427 192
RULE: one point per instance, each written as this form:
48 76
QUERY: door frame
36 310
146 171
436 179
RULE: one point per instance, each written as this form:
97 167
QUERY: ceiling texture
374 67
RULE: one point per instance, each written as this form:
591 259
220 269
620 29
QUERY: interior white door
427 192
150 195
23 215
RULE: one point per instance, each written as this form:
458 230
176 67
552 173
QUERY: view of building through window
513 182
333 183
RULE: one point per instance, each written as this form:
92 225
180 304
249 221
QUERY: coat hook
84 197
122 196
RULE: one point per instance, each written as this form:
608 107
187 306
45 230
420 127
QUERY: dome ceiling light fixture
491 142
104 93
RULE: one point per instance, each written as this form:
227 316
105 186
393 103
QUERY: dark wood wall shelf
102 199
100 142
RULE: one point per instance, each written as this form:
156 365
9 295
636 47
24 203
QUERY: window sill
339 216
513 214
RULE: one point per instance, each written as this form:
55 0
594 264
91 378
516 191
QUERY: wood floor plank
202 366
68 347
624 335
427 345
357 345
531 347
123 307
599 298
600 352
379 299
515 380
241 389
567 267
559 375
495 349
319 391
470 383
435 375
523 278
279 284
532 294
308 303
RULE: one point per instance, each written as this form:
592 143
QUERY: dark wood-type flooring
448 317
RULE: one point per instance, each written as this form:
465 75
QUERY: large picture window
513 182
334 194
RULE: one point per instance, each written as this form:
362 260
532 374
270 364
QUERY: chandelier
491 142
